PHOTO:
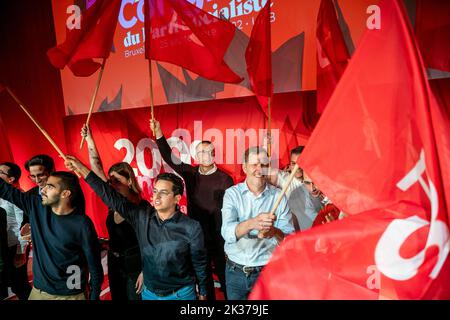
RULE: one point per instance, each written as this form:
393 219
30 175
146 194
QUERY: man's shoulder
34 191
188 221
223 174
236 189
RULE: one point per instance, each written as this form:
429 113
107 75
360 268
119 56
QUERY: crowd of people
155 252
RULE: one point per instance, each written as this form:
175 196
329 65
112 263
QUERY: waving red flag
94 39
258 57
433 32
178 32
332 53
380 152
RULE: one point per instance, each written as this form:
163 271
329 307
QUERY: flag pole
46 135
269 128
151 88
91 108
283 192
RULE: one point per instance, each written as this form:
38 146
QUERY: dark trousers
3 284
216 265
239 283
17 278
121 281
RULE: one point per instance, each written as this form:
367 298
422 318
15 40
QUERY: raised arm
128 210
94 157
91 249
23 201
166 151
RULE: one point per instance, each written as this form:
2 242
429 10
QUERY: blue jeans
185 293
239 283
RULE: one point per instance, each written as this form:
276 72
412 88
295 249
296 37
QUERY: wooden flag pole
46 135
94 96
283 192
151 88
269 128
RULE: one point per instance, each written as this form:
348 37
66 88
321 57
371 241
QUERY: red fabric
94 39
207 120
178 32
258 56
25 69
332 53
433 32
321 216
380 153
5 148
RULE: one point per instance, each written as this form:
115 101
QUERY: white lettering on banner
143 144
237 140
235 8
387 251
127 24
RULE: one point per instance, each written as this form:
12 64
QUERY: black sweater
204 194
63 245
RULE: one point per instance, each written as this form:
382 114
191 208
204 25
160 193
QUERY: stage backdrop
125 81
232 125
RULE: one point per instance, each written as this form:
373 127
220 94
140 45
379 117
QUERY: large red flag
178 32
433 32
332 53
375 154
258 57
94 39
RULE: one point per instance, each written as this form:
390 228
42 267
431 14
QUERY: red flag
375 154
433 32
178 32
94 39
258 57
332 53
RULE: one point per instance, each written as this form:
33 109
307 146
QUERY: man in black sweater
172 246
205 188
64 239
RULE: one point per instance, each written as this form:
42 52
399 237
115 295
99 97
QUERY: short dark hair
297 150
177 183
41 160
69 181
253 150
13 171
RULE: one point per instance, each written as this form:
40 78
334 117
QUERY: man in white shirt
16 262
303 206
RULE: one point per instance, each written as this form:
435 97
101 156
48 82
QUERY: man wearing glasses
39 169
205 187
16 261
172 246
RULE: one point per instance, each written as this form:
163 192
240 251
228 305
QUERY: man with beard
64 239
